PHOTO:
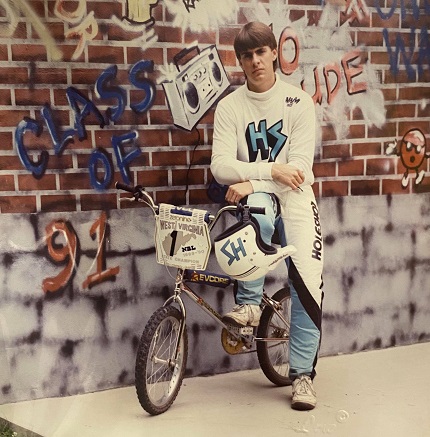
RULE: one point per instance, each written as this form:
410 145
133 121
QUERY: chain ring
231 345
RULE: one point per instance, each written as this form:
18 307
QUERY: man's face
257 64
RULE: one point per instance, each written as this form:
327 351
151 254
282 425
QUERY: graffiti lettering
102 273
408 56
289 51
82 108
59 254
85 31
422 59
351 73
67 252
190 4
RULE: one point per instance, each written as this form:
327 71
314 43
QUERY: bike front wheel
159 375
274 330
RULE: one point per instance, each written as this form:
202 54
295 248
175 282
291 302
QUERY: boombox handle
179 56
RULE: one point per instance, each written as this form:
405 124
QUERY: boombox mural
199 84
98 92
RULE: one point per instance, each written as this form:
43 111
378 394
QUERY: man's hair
253 35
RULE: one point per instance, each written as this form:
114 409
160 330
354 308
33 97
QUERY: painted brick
104 10
324 169
27 52
198 197
328 133
86 76
51 76
10 163
423 187
379 166
5 97
370 38
414 93
385 131
98 202
3 52
181 137
6 141
169 34
206 38
400 111
363 149
60 162
354 167
389 94
201 157
170 196
392 21
161 117
135 54
75 181
17 204
335 151
58 203
399 77
153 138
393 186
185 177
334 188
27 182
112 54
228 58
169 158
357 131
13 75
32 97
153 178
227 35
365 187
7 183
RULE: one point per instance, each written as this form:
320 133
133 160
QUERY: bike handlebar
139 193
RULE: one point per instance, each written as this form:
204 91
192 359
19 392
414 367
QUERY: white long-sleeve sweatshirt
254 130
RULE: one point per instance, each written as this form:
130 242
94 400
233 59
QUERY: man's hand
287 174
238 191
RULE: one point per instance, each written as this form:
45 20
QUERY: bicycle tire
273 357
157 379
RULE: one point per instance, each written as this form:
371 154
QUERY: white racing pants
299 225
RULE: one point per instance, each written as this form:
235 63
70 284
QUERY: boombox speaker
198 85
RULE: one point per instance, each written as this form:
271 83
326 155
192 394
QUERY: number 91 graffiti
67 252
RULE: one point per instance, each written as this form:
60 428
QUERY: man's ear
275 54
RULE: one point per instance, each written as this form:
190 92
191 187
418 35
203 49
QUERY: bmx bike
162 351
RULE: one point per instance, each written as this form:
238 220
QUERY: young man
263 148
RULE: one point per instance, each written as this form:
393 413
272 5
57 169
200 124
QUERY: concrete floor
378 393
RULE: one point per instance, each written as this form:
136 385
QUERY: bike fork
177 299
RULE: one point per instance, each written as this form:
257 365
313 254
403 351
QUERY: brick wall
366 65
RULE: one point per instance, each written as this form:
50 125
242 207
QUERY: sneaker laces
238 307
303 386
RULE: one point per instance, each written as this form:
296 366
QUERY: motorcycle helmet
242 254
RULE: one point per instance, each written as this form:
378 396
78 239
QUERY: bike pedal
241 330
246 330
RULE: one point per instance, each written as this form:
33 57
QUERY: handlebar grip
257 210
121 186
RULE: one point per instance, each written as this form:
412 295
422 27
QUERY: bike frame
182 287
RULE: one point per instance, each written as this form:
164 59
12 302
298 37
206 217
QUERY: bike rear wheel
273 355
158 376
